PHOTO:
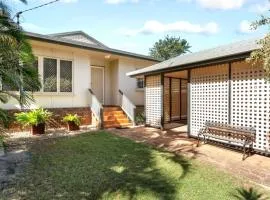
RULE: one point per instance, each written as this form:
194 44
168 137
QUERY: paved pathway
256 168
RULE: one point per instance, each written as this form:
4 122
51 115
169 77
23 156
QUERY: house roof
213 55
70 35
54 39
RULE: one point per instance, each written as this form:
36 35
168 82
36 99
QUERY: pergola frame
234 81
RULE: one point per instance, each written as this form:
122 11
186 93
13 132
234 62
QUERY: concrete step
121 121
117 125
109 113
114 117
114 108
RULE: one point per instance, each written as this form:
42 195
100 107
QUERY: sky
135 25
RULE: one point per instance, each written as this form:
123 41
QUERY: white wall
114 82
115 77
129 85
81 81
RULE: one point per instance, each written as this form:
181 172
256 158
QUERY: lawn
103 166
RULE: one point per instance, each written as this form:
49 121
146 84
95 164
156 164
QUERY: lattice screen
250 101
209 96
50 75
166 99
153 100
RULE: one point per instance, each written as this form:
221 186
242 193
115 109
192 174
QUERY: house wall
81 81
128 84
114 82
115 77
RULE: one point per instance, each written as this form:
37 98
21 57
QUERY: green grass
102 166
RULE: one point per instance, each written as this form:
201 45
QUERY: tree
262 55
19 78
169 47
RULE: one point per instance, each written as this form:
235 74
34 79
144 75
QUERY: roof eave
109 50
220 60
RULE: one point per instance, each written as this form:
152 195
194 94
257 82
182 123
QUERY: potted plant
73 122
35 118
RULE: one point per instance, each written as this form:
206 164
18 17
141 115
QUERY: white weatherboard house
81 75
215 85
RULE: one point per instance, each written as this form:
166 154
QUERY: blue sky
134 25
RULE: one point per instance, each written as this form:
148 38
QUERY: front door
97 82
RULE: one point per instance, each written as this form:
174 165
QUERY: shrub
72 118
140 118
34 117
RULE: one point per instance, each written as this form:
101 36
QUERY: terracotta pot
72 126
38 129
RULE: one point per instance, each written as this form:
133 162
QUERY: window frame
41 74
140 88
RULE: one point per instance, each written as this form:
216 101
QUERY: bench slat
227 139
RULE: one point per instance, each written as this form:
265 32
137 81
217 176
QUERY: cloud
245 27
221 4
154 27
217 4
120 1
260 7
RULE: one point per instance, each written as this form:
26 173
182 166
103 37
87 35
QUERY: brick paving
256 167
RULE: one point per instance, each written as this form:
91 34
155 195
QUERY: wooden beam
162 101
180 97
189 103
170 99
229 92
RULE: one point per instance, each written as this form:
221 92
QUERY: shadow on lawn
100 166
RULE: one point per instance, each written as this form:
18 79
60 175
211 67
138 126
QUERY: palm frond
248 194
18 76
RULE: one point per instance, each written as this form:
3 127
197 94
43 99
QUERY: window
140 83
65 76
49 75
57 75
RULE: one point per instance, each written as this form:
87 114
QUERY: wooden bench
229 134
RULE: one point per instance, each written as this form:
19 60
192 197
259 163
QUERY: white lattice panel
209 96
250 101
153 100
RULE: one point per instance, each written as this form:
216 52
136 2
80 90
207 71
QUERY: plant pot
72 126
38 129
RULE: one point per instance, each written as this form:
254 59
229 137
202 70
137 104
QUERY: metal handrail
96 107
127 106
